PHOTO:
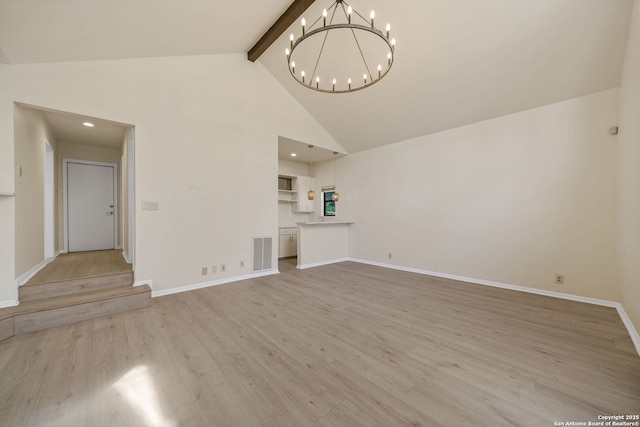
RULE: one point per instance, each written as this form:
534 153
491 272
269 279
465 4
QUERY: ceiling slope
457 61
464 61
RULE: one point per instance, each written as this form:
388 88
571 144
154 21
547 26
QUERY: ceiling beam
296 9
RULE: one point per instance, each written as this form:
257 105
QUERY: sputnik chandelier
342 38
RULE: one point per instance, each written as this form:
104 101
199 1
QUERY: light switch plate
150 206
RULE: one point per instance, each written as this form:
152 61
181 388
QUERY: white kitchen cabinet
302 185
288 243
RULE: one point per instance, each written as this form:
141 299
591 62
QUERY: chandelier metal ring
369 78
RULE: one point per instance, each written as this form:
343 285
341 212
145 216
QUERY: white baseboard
623 315
633 332
8 303
125 255
143 282
318 264
24 277
193 287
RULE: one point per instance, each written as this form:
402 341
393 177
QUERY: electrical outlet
559 279
241 264
223 267
390 256
204 271
214 269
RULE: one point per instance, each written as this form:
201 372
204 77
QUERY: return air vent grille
262 251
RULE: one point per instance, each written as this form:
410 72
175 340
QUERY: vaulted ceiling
457 61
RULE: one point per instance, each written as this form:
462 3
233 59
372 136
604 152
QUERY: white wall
629 174
204 127
515 199
7 204
31 131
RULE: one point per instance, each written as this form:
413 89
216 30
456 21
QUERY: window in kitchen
328 205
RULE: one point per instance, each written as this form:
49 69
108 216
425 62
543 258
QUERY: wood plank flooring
338 345
82 264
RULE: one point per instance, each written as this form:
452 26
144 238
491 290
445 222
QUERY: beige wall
31 131
629 175
514 200
207 130
67 150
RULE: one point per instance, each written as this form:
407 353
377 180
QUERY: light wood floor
339 345
82 264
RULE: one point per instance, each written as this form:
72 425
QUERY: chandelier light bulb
293 66
317 82
349 81
364 76
393 42
287 51
389 58
388 30
291 38
379 70
304 23
334 84
302 74
324 17
372 15
349 11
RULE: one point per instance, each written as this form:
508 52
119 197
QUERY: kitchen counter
322 242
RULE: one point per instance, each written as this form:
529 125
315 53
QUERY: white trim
630 327
131 214
633 333
24 277
49 168
8 303
121 219
118 247
125 255
65 163
143 282
193 287
321 263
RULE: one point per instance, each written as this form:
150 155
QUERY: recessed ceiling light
88 124
293 154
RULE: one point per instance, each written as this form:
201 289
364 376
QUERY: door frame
65 223
49 202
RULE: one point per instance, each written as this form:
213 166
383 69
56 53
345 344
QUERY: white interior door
90 207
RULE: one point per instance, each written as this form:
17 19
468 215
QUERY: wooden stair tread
28 284
69 300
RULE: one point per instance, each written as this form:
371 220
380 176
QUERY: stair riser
74 286
6 328
61 316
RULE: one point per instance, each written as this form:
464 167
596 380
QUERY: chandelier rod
356 38
326 34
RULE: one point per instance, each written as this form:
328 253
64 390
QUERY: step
47 313
46 290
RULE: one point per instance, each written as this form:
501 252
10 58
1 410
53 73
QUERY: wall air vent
262 251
